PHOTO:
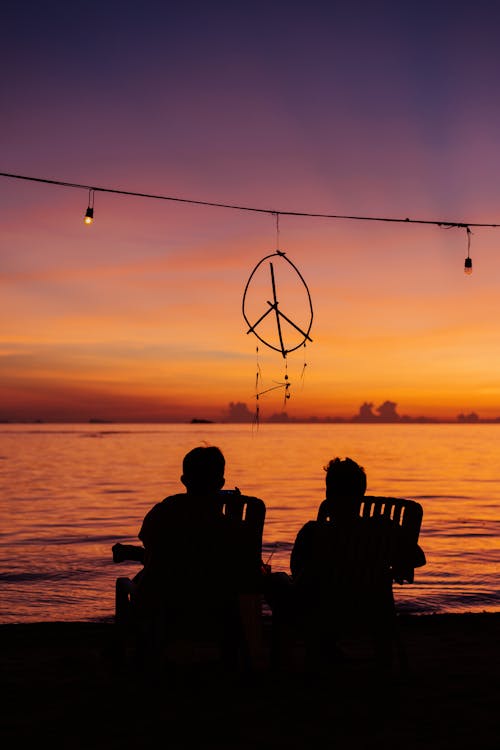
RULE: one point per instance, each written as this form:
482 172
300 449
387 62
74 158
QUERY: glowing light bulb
89 213
468 266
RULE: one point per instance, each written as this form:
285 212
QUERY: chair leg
123 589
284 634
250 635
149 638
322 652
401 653
389 646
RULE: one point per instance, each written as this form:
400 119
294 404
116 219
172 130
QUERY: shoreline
61 689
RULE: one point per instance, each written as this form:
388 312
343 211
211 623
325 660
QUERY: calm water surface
68 492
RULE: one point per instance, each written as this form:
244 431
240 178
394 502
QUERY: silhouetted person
342 566
196 559
345 488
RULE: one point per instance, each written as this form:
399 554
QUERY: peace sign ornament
282 325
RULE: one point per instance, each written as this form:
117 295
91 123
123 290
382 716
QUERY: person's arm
301 551
406 556
134 552
420 559
122 552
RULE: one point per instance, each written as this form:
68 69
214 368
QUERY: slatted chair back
402 511
250 510
405 513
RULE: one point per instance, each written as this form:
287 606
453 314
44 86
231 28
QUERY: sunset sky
369 109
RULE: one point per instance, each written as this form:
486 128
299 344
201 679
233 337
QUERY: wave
30 576
65 540
119 491
442 497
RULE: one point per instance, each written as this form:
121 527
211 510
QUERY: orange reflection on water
68 492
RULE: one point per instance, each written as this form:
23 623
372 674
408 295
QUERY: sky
383 109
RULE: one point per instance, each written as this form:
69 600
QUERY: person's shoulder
310 527
163 512
168 504
172 500
312 524
172 503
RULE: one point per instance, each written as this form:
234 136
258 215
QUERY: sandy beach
61 690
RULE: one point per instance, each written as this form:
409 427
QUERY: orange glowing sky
317 109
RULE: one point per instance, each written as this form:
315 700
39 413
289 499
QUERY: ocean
68 492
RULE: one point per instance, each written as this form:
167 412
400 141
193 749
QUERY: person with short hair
342 565
197 560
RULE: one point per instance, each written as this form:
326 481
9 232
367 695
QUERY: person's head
203 470
345 480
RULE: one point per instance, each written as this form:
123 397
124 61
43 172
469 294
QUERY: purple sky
379 109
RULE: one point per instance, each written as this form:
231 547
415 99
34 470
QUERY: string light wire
236 207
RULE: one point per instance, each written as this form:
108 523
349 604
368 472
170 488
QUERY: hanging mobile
296 333
280 345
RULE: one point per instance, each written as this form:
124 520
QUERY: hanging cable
116 191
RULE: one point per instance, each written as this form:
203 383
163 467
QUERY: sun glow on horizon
140 314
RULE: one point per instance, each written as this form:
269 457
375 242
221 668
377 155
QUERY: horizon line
269 420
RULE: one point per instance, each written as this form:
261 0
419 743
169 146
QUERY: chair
391 531
236 630
406 514
348 588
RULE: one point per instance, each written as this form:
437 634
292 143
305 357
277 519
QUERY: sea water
68 492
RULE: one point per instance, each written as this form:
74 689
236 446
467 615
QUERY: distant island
237 412
386 413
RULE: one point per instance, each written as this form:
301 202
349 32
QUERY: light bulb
89 216
468 266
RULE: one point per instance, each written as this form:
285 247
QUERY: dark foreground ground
60 690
